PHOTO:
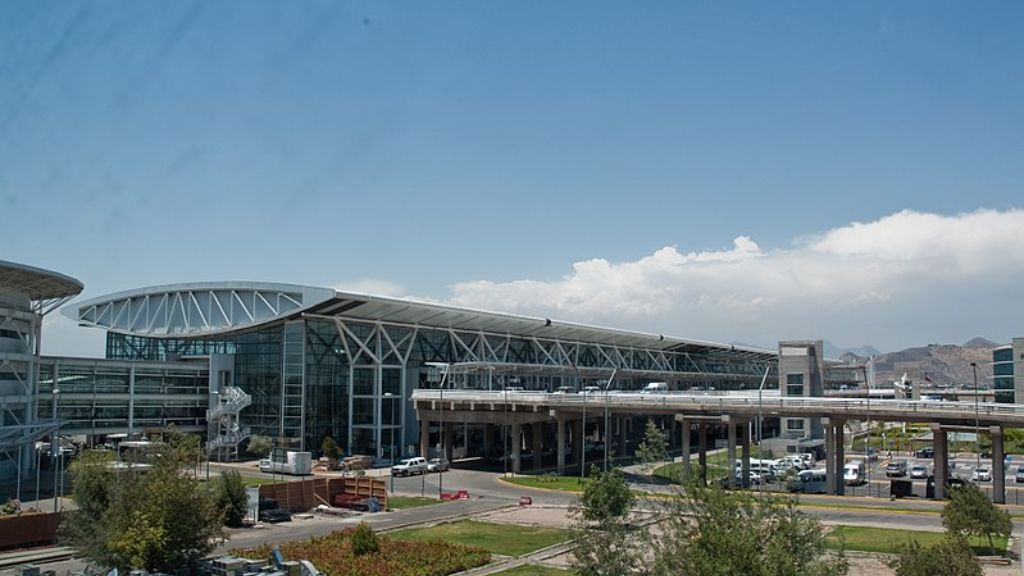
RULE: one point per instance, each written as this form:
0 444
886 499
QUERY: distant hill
944 364
979 342
833 351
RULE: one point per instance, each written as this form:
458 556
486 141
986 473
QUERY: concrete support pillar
560 448
841 457
538 445
998 466
488 448
517 442
830 459
685 440
941 461
577 442
673 437
622 436
446 439
425 438
731 452
702 450
745 453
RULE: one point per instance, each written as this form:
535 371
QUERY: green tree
232 498
710 531
604 537
653 448
329 448
364 540
606 497
969 512
130 517
951 557
260 446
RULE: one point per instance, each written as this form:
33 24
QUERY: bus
810 482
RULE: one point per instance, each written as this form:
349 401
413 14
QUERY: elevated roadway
524 411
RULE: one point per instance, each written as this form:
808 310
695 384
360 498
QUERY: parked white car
982 474
409 466
437 465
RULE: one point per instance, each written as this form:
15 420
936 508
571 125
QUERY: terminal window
794 384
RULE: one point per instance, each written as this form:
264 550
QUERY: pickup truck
409 466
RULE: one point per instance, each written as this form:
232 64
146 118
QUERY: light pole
867 436
583 426
977 437
391 448
444 447
607 387
55 446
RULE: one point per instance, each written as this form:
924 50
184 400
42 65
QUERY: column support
998 466
841 457
425 438
538 445
622 436
731 453
745 453
560 449
517 442
941 458
446 441
685 425
702 450
830 456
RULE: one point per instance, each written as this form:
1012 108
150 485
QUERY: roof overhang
217 308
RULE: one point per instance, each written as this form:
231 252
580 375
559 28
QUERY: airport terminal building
311 362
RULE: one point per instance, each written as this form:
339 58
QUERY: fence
28 529
303 495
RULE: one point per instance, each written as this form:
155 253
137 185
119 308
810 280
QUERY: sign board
253 494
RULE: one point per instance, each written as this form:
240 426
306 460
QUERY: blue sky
428 149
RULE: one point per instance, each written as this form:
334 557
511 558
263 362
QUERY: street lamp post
55 446
977 436
583 427
444 446
391 448
607 442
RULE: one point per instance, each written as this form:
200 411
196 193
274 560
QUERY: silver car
437 465
919 471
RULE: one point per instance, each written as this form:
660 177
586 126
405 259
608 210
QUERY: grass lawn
885 539
534 571
254 481
505 539
551 482
403 502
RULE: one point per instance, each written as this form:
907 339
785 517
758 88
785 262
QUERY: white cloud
863 282
375 286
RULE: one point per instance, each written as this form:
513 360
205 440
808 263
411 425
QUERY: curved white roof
37 283
197 309
212 308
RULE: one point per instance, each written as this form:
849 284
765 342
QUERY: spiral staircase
225 429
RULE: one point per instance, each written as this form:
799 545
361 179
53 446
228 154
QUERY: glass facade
313 378
95 395
1002 375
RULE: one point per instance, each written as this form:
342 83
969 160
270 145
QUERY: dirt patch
548 517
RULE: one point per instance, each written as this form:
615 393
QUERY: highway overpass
537 411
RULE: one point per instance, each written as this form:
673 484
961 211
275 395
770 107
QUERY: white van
656 387
854 473
810 482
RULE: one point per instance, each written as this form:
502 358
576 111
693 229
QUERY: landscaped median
885 540
429 551
533 570
504 539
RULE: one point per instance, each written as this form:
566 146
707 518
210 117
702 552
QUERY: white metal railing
747 402
233 401
230 438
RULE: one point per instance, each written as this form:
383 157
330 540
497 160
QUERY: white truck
854 473
294 463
